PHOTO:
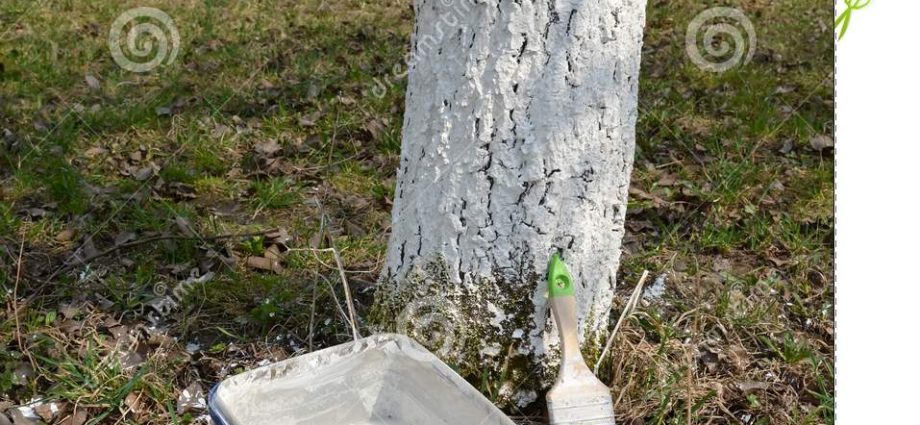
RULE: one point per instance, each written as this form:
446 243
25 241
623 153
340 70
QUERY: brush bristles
582 411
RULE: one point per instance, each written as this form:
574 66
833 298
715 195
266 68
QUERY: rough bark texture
518 142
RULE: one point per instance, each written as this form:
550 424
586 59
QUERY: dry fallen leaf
19 418
77 418
133 402
720 264
130 360
37 212
749 386
309 120
268 147
86 250
221 130
143 173
49 412
184 226
266 85
376 128
316 241
125 237
92 82
784 89
667 180
264 263
70 326
65 235
69 310
163 111
95 151
788 146
821 142
279 236
191 398
273 252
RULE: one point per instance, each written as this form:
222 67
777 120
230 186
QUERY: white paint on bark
518 142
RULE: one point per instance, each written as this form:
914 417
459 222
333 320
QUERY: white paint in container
381 380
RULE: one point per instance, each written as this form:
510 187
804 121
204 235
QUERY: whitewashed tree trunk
518 142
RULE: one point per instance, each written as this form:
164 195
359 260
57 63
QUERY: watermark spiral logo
160 288
434 322
710 29
143 38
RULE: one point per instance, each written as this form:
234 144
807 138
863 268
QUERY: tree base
485 329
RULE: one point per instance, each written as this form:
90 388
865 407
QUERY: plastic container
382 379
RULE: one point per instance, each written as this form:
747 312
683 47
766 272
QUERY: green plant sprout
843 21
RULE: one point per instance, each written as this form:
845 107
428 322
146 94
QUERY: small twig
312 314
627 310
335 299
322 228
352 316
15 302
348 299
689 360
159 238
68 267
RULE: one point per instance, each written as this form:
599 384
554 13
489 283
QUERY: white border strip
878 179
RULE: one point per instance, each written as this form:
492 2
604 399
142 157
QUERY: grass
267 119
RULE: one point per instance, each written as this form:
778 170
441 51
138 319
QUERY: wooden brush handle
565 314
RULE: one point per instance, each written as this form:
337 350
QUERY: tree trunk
518 142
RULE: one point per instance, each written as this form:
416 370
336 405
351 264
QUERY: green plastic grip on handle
558 278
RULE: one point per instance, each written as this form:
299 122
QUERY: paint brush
577 397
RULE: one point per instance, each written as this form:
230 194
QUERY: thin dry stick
348 299
322 228
312 314
322 225
627 310
67 267
159 238
689 360
335 299
353 321
15 302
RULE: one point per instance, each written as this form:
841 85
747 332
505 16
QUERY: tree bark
518 142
